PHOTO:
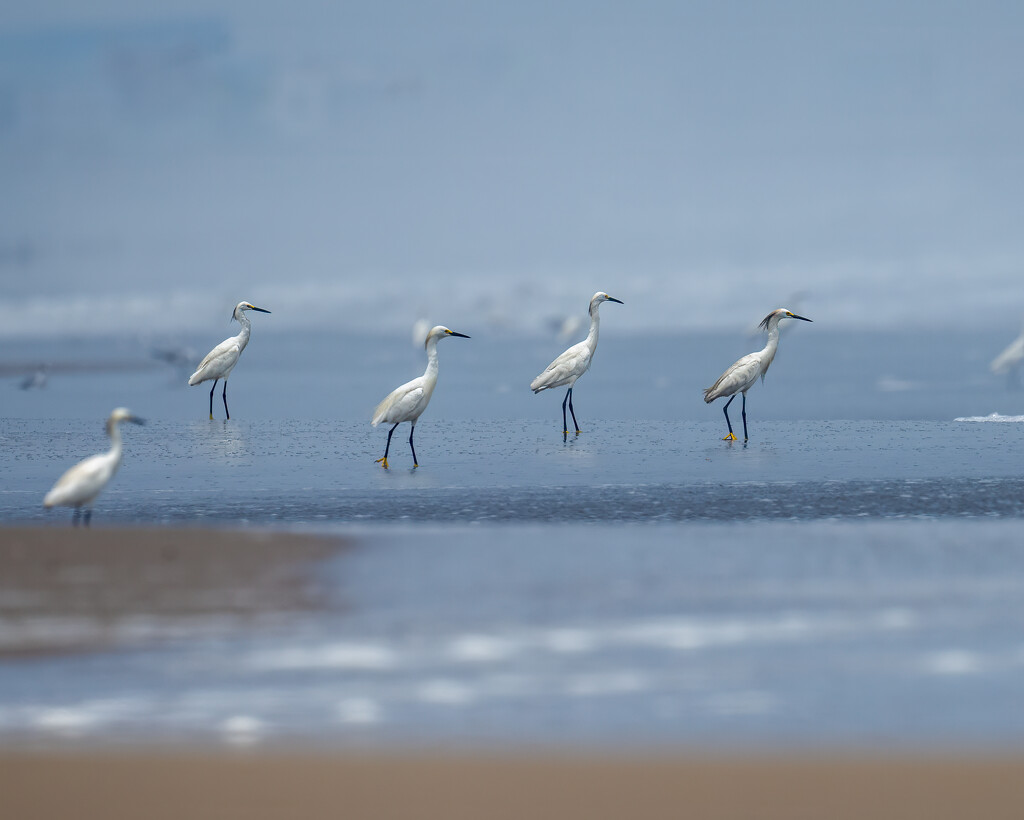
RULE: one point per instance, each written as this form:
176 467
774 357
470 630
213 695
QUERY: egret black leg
731 436
387 449
578 431
87 516
744 411
75 516
413 430
565 424
224 396
211 397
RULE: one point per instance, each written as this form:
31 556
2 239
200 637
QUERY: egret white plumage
743 374
574 362
407 403
220 361
80 485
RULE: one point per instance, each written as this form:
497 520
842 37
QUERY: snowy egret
80 485
572 364
407 403
220 361
742 375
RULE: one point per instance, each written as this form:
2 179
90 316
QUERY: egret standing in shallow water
742 375
572 364
407 403
220 361
80 485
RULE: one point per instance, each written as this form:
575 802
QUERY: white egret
220 361
80 485
407 403
574 362
743 374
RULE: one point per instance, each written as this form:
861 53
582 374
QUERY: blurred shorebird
80 485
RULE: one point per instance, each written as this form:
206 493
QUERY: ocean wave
991 417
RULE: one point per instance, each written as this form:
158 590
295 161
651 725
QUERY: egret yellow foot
729 437
578 432
565 432
382 459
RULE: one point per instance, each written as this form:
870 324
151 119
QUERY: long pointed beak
136 420
613 299
794 316
261 310
463 335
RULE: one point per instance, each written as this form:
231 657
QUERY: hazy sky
359 164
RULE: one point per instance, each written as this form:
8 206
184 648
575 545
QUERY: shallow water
844 578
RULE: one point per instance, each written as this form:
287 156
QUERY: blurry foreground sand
73 590
498 787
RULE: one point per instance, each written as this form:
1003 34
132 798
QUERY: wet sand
498 786
77 589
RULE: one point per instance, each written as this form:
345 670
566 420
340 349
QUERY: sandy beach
493 785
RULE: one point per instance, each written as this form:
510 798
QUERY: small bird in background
220 361
743 374
407 403
80 485
36 380
574 362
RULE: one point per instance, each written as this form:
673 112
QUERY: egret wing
223 355
572 363
80 482
739 376
400 403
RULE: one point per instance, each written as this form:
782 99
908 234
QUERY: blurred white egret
220 361
80 485
743 374
407 403
574 362
1008 362
35 380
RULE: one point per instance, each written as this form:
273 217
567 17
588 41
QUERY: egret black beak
794 316
613 299
136 420
453 333
261 310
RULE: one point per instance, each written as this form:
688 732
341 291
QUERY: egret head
600 297
439 332
120 414
245 306
777 316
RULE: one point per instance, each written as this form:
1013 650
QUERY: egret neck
114 432
430 374
768 353
243 335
